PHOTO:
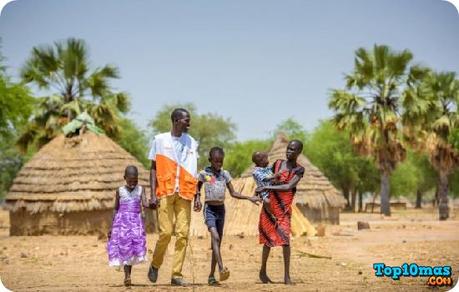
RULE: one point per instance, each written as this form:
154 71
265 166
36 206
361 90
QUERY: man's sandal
212 281
224 274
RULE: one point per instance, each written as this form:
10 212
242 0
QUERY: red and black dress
272 232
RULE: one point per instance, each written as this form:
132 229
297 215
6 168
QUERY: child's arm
115 210
285 187
234 194
197 197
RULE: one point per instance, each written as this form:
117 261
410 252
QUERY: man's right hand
154 202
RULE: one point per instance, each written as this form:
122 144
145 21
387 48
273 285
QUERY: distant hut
68 186
317 199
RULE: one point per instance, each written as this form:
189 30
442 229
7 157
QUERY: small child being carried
263 176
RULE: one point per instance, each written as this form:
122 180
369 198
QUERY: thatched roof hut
68 186
316 197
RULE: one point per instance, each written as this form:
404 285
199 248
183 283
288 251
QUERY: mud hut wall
323 215
71 223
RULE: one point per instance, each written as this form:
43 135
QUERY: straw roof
72 174
314 189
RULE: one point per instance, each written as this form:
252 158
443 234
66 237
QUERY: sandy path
79 263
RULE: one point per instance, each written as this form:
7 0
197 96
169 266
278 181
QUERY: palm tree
63 70
369 108
431 118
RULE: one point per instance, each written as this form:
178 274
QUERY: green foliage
369 106
238 156
63 70
15 108
431 118
454 184
208 129
133 141
331 151
405 179
292 128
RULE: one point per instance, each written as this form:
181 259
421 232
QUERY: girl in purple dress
127 243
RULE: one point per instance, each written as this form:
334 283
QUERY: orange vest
169 168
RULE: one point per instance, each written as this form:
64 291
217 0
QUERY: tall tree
64 71
208 129
368 108
431 119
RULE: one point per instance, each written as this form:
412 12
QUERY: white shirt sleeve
152 153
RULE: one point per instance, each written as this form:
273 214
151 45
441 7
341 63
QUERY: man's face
183 123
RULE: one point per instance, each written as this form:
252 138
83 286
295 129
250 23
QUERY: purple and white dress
127 244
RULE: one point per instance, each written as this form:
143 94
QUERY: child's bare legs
127 275
216 256
267 207
264 259
286 253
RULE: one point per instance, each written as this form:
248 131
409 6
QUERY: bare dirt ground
79 263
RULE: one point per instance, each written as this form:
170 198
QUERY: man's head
181 120
294 149
131 175
260 158
216 157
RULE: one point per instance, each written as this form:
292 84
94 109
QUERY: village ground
79 263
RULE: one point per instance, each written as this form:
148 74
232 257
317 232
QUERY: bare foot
264 278
287 281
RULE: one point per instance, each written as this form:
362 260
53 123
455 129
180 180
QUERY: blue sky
256 62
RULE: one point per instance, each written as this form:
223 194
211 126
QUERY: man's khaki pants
171 207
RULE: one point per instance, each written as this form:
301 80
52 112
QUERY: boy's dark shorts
214 216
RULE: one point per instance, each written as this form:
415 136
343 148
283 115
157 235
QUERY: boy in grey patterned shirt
215 181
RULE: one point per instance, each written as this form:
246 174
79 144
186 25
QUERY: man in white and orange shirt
173 183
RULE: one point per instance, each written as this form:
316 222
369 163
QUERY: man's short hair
177 113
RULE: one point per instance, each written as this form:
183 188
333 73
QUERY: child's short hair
131 170
256 156
215 150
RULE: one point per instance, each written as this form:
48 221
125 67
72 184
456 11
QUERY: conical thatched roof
72 174
314 189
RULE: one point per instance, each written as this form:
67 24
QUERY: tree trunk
443 209
418 200
353 199
385 193
360 202
346 196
